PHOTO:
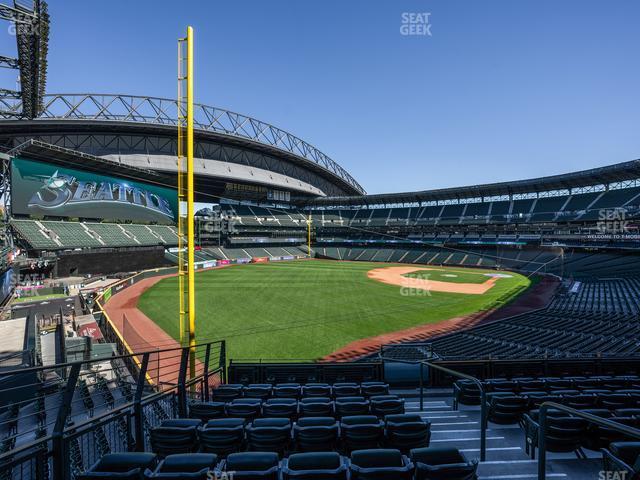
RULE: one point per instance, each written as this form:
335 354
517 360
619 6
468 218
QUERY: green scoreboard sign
42 189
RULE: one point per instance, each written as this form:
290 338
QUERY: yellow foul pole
190 206
186 227
309 235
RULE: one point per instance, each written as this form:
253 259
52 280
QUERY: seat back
404 433
565 434
205 411
370 389
253 465
247 408
346 390
226 393
287 390
186 466
380 464
314 466
442 463
127 466
316 390
361 432
258 390
280 407
382 405
173 440
269 435
316 434
223 436
316 407
346 406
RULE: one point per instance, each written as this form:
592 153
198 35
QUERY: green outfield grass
308 309
39 298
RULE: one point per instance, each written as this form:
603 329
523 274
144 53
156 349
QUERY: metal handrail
40 368
464 376
54 443
542 427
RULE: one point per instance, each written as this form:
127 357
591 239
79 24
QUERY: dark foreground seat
349 406
252 465
599 437
280 408
316 390
269 435
247 408
287 390
383 405
361 432
189 466
371 389
563 434
120 466
442 463
465 392
222 436
314 466
228 392
175 436
316 434
506 408
258 390
380 464
407 431
205 411
622 457
316 407
345 389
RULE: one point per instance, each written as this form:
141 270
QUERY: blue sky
502 90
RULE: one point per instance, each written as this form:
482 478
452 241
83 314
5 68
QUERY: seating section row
224 436
379 464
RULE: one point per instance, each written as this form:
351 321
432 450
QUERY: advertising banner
259 259
90 330
43 189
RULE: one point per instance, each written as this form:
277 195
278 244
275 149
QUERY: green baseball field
309 309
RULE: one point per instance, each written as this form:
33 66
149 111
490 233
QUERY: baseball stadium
190 292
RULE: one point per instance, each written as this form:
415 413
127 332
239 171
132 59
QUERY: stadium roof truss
30 25
37 150
162 111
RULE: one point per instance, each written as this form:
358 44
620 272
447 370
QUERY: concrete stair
506 456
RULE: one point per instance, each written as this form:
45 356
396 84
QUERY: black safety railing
58 420
542 429
424 364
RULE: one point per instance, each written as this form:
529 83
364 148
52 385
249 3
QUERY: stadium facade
267 192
